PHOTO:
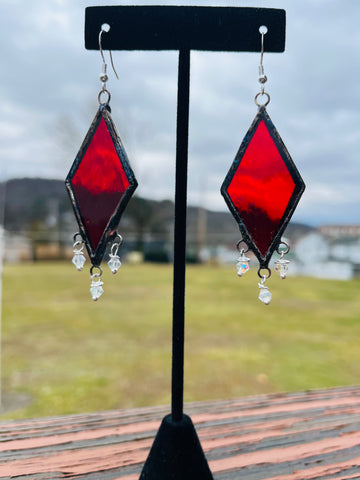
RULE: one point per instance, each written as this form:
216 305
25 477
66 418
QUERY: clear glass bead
114 263
282 267
79 260
242 267
265 295
96 288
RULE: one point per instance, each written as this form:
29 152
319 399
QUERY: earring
262 189
100 183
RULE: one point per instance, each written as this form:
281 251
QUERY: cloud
48 77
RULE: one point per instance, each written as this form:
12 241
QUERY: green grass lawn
70 354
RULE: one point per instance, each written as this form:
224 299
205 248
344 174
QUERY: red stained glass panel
261 188
99 183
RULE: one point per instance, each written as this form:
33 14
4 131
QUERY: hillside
36 201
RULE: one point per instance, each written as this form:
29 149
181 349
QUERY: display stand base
176 453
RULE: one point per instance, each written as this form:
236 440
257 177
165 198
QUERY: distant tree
141 214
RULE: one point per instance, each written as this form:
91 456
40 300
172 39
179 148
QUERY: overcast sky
49 87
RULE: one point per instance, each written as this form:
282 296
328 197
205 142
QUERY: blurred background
63 354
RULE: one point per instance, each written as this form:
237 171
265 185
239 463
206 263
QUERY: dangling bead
282 266
78 259
242 264
96 288
114 262
264 295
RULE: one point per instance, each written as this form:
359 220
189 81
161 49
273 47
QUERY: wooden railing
297 436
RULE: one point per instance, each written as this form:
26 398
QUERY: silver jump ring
238 246
116 245
78 243
74 237
96 274
108 99
262 94
262 276
119 238
283 252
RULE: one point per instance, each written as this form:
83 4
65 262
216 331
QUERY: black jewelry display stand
176 453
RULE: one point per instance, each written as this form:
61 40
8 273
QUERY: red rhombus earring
100 183
262 190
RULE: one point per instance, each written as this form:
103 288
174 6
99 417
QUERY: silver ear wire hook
102 55
262 77
103 75
262 49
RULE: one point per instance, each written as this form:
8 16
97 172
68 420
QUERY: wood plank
297 436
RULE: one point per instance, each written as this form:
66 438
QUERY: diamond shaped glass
262 187
100 184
